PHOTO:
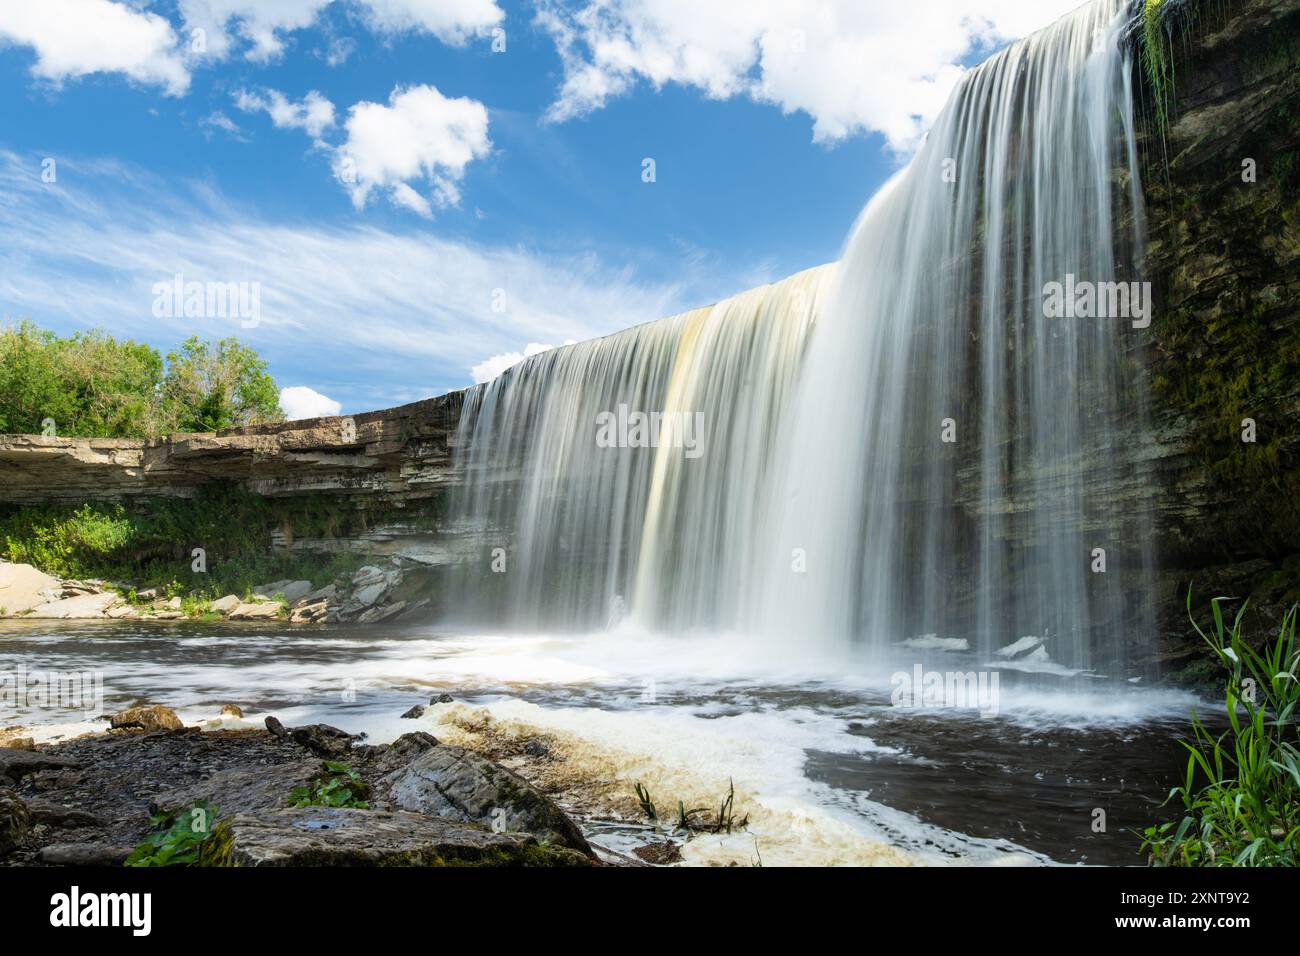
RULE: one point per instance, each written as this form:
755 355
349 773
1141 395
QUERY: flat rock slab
86 605
16 764
21 586
244 789
261 611
320 836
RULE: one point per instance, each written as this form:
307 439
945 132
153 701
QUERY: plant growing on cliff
151 543
1241 795
1156 61
190 837
338 786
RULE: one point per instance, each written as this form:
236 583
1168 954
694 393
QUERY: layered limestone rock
389 457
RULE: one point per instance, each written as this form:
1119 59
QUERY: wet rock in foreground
320 836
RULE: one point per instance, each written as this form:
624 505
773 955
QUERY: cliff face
385 460
1223 205
1222 187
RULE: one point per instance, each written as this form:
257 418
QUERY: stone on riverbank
85 605
261 611
21 586
225 605
146 719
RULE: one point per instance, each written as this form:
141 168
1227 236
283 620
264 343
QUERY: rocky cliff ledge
385 459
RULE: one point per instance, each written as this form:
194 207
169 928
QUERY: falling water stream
900 445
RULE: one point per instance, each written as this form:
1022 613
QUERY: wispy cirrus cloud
368 316
260 27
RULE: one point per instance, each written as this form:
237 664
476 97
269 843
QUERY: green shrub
152 543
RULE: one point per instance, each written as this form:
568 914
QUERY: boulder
459 784
402 751
331 836
321 739
231 710
366 576
21 586
226 604
309 612
147 719
414 713
370 593
15 821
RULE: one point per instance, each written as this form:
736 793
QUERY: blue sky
411 201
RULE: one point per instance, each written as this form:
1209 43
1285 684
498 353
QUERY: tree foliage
91 385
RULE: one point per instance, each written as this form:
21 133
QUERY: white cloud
852 66
299 402
369 316
74 38
490 368
313 114
419 135
219 120
451 21
262 24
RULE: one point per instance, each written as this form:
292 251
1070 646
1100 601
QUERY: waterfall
924 438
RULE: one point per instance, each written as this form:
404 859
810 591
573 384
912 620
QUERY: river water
828 764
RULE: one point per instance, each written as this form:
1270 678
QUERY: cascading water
905 443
